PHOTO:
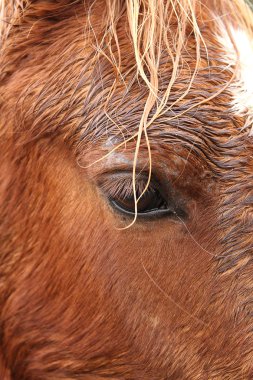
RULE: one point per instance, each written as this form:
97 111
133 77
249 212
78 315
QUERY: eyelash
155 202
123 187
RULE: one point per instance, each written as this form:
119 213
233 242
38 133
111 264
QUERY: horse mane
157 29
150 22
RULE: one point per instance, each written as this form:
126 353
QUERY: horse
126 188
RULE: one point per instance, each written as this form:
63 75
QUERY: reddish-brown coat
81 298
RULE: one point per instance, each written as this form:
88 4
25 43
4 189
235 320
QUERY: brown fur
82 298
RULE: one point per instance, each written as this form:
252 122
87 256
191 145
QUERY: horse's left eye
151 202
119 191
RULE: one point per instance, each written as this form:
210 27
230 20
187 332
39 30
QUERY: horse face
88 290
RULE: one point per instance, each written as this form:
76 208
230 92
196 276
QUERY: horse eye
151 203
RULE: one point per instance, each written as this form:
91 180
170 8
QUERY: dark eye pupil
150 201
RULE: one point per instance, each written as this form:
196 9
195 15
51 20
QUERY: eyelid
121 184
149 215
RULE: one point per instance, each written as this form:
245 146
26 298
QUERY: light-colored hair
157 28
